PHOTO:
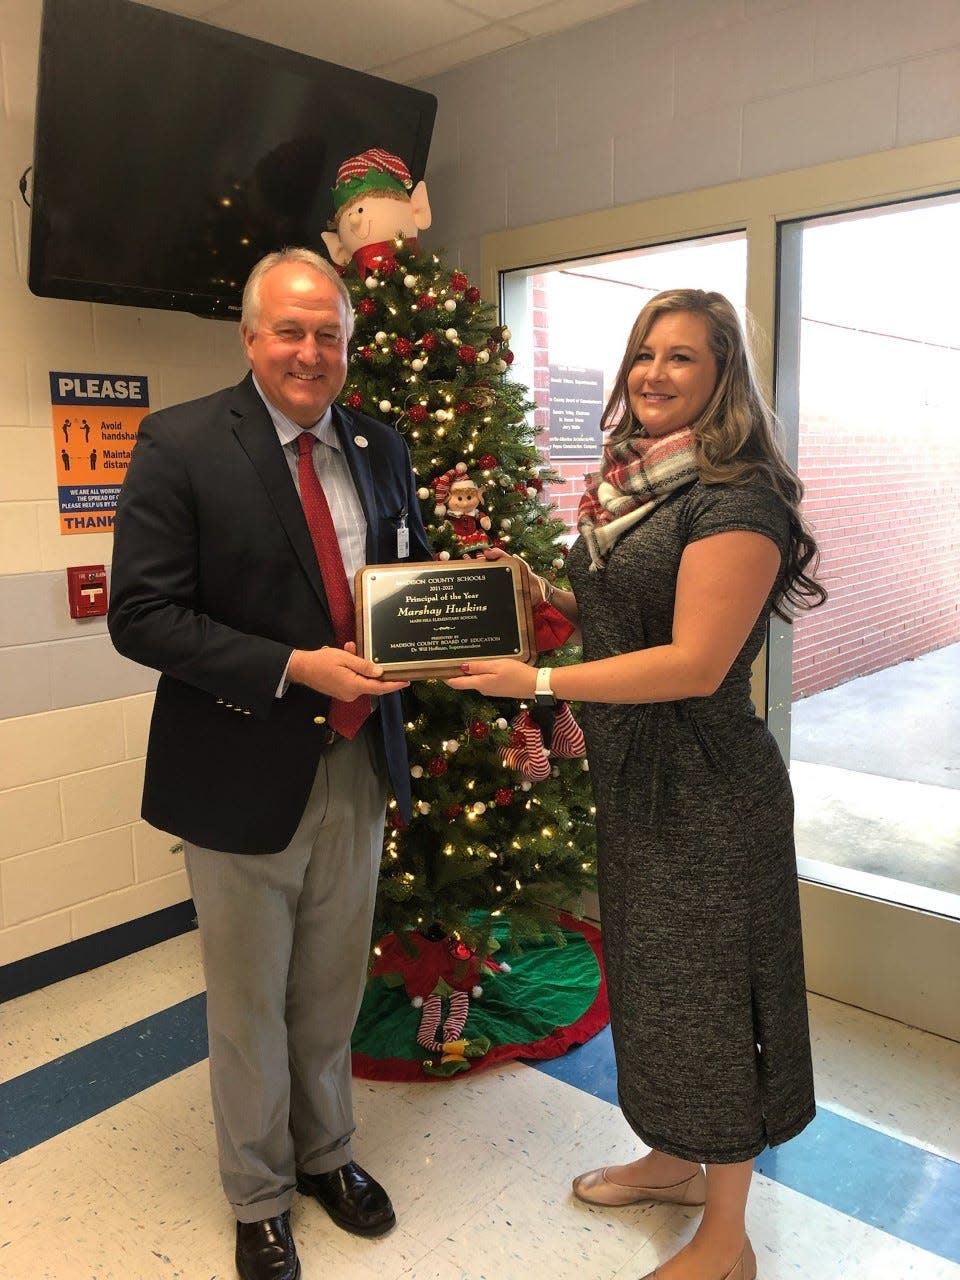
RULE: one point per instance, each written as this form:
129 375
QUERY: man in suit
272 743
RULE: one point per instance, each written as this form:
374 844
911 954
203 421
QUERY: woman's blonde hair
735 437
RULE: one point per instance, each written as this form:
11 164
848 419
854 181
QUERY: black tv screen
171 155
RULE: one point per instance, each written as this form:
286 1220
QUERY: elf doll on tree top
376 204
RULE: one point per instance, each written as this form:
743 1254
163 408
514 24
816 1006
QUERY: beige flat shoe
597 1187
745 1267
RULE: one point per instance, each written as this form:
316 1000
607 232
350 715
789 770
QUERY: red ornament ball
463 408
418 413
467 354
472 295
398 823
458 281
437 767
426 301
402 347
429 342
479 730
453 811
354 400
367 307
507 357
535 483
365 353
488 462
504 796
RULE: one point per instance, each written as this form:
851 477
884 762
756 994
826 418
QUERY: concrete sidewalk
875 765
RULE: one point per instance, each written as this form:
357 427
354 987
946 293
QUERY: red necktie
345 717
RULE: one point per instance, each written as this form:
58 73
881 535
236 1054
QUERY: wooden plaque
421 620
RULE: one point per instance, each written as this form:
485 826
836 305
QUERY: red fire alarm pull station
87 590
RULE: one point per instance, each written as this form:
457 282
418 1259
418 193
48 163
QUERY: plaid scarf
635 476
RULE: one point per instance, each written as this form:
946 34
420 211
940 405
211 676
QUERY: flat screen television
170 155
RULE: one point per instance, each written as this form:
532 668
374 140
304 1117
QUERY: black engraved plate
421 620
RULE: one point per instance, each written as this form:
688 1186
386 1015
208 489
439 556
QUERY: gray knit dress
698 883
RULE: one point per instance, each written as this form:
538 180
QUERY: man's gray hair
250 310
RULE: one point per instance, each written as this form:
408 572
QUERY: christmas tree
499 830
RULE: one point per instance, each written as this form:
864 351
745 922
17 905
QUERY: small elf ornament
459 498
376 203
434 968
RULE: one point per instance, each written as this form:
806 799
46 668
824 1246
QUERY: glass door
845 267
865 692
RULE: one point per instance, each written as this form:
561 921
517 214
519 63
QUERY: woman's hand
497 678
533 580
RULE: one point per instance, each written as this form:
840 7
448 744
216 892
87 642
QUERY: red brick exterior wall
885 513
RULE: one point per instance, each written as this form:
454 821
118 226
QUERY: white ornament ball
423 494
416 365
440 415
558 563
505 334
584 765
501 723
479 808
385 406
416 771
461 466
452 335
423 806
483 357
410 282
371 282
526 784
443 555
506 523
531 493
449 305
501 366
380 337
452 747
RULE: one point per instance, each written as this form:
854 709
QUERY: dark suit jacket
214 581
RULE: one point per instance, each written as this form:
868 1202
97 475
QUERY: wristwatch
543 694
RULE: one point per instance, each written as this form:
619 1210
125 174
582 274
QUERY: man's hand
339 673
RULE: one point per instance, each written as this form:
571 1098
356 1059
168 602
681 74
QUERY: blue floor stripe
50 1099
870 1176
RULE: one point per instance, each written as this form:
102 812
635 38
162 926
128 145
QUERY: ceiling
402 40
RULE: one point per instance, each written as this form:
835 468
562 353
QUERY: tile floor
110 1168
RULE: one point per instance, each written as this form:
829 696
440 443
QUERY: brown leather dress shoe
266 1250
353 1199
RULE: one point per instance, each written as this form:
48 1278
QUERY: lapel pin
360 441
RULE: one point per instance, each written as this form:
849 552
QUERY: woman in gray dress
690 536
